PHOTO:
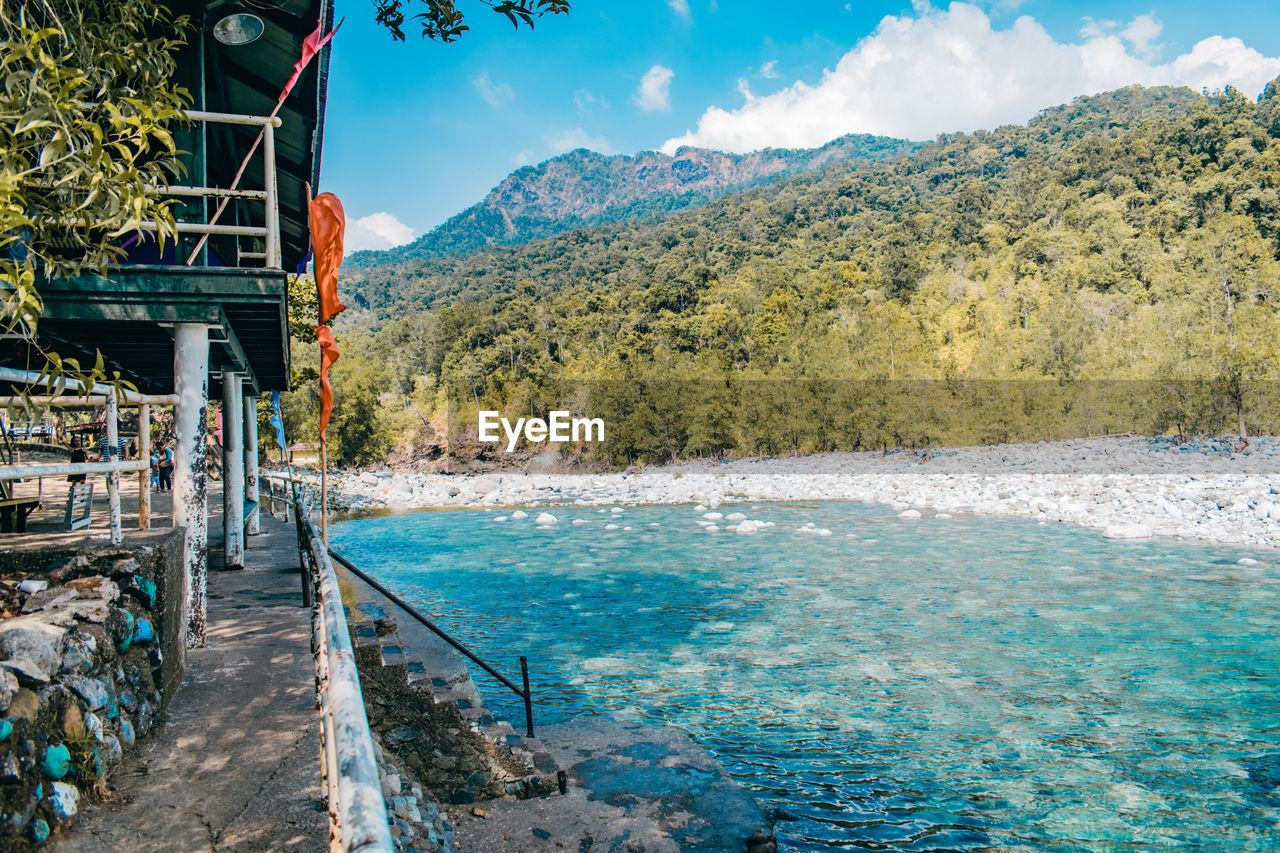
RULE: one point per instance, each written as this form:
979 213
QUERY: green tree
442 21
357 432
87 108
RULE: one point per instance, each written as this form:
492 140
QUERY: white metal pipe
202 228
68 385
206 229
251 524
61 469
232 472
190 496
211 192
328 737
232 118
112 451
144 474
93 401
61 402
269 182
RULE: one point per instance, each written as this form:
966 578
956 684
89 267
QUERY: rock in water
1127 531
546 518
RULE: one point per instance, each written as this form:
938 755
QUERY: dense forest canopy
1110 265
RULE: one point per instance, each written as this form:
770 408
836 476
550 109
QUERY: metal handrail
524 694
357 810
69 392
269 231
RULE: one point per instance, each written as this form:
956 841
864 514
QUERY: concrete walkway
236 767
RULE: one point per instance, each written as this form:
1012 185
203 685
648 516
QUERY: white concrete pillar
232 471
112 453
144 477
251 527
190 483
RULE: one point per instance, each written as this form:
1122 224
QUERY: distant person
107 454
77 456
155 469
166 467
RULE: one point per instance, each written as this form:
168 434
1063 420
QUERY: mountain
581 189
398 281
1110 266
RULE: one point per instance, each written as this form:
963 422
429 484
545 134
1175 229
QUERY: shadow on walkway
236 767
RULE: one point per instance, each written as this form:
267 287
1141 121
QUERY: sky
418 131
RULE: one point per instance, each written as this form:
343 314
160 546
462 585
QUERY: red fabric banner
310 47
328 223
328 355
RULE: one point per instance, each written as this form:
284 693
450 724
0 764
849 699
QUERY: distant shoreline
1128 487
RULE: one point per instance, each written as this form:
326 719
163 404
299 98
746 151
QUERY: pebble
57 761
8 688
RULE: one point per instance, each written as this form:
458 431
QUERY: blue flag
306 259
278 422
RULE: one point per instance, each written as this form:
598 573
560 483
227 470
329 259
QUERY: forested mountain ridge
929 299
582 188
392 285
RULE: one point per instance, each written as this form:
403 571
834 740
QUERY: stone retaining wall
91 651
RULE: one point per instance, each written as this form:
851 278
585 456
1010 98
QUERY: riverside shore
1128 487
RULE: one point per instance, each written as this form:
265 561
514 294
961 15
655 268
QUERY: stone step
441 673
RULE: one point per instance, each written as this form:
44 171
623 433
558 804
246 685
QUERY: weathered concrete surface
632 787
236 767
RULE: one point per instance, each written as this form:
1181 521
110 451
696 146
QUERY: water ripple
930 685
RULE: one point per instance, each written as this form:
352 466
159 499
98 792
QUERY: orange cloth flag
328 355
327 225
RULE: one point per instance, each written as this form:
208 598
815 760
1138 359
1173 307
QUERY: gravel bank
1129 487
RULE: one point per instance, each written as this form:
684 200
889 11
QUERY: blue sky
418 131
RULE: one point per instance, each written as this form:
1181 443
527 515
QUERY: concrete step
439 671
630 787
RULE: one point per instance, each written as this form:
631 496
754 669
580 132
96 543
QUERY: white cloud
948 70
586 100
655 89
769 70
495 94
1141 32
376 231
680 7
576 137
523 157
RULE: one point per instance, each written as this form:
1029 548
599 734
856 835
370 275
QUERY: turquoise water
900 684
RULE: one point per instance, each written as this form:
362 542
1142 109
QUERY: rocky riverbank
1129 487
